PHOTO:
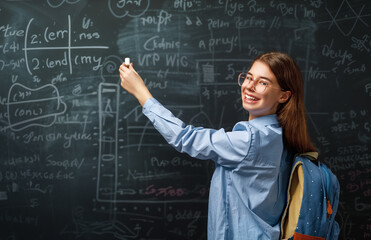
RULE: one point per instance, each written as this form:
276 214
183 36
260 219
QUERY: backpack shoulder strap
295 194
294 199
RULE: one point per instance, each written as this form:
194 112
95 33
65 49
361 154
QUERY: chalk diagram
107 179
346 18
108 183
25 108
135 8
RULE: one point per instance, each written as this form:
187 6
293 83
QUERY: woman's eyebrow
265 78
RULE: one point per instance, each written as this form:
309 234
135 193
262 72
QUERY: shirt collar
264 121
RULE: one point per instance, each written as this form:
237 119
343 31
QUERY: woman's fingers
130 79
133 83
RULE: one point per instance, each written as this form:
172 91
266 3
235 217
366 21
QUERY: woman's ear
285 96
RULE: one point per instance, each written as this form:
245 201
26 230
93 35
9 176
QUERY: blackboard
78 158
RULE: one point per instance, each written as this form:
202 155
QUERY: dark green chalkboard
78 158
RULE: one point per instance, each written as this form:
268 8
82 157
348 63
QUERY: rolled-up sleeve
225 148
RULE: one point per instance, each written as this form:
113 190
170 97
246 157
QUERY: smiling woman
252 162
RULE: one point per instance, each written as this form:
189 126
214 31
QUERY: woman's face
264 103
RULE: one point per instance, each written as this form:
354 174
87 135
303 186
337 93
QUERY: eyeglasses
259 84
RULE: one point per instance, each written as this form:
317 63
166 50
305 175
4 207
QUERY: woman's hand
133 83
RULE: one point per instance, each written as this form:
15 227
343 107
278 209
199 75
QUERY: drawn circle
110 70
110 66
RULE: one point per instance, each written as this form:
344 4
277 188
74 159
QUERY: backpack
312 201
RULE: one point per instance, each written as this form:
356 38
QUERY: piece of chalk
127 61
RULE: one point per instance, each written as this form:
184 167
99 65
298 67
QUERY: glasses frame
255 82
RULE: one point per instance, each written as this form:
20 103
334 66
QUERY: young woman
249 186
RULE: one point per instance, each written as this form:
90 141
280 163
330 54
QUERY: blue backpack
313 197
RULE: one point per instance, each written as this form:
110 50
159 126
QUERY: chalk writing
35 42
23 115
130 8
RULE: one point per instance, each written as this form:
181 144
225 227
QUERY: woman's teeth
251 98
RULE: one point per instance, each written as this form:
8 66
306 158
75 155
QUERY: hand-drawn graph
346 18
27 108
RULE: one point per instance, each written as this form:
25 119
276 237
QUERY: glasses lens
241 78
260 86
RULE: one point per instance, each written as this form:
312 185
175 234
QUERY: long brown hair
291 114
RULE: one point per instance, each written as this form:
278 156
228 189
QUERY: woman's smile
250 98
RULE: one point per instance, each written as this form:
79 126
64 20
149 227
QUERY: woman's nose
250 84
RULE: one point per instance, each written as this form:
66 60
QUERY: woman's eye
249 78
263 83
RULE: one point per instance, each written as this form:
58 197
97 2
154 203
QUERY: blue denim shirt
249 186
